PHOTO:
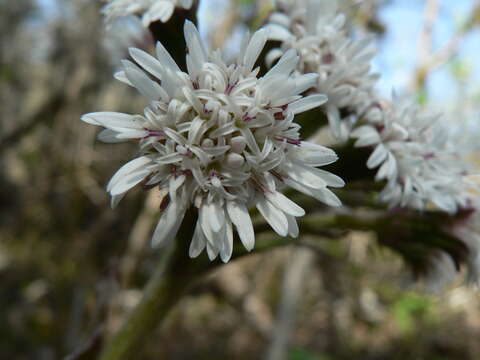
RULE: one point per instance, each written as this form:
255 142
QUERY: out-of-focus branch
47 111
425 41
429 60
221 32
138 238
295 271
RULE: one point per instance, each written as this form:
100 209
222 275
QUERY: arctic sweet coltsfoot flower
317 30
149 10
221 139
416 156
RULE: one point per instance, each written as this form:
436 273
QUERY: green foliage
299 353
410 309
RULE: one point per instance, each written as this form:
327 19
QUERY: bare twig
295 271
429 59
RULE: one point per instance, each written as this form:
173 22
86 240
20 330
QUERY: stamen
288 140
277 175
247 118
153 133
230 87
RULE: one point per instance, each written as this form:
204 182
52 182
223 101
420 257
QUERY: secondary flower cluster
416 156
318 32
221 139
150 10
413 150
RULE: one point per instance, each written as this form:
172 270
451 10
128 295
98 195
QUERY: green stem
164 289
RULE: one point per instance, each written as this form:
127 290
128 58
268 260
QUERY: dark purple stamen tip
291 141
153 133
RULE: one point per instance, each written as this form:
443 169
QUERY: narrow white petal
285 65
109 136
128 168
278 32
116 199
165 59
254 48
305 82
144 84
377 157
324 194
212 251
307 103
121 76
284 204
148 62
292 226
275 218
161 10
129 181
273 55
250 140
239 215
216 215
168 225
111 119
305 175
186 4
227 246
198 242
196 50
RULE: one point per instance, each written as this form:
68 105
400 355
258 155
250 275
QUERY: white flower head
317 31
221 139
149 10
416 156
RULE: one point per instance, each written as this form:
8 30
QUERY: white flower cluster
150 10
221 139
416 156
413 150
317 31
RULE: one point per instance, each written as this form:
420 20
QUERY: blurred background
70 267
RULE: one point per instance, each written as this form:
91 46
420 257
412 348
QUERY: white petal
121 76
305 175
227 246
285 65
148 62
110 118
324 194
186 4
161 10
250 140
278 32
216 215
129 181
168 224
165 59
109 136
273 55
198 242
305 82
144 84
128 168
377 157
284 204
196 50
292 226
274 216
239 215
254 48
307 103
115 200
